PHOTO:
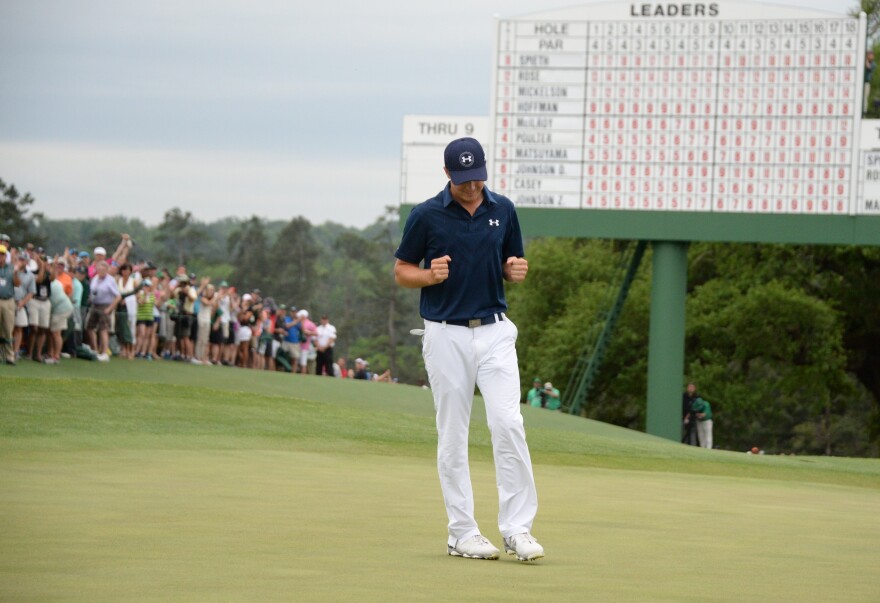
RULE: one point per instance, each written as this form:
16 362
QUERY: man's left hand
515 269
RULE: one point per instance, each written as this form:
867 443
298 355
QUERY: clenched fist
440 269
515 269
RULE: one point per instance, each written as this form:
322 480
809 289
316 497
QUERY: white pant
39 312
131 307
21 318
704 432
456 358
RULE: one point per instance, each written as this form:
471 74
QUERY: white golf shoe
475 547
524 546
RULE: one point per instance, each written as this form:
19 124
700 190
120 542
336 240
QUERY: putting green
127 482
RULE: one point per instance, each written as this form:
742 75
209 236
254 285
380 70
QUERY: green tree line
783 340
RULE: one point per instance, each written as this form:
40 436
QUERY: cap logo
466 159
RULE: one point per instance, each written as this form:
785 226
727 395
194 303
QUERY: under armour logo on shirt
466 159
494 222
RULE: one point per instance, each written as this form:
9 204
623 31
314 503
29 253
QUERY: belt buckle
474 323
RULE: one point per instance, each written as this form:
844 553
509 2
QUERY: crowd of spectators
93 306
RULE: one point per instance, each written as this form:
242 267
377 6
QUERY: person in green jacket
703 411
552 401
545 396
533 398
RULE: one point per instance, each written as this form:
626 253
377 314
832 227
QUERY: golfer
469 240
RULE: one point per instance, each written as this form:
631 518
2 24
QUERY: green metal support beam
666 339
578 396
801 229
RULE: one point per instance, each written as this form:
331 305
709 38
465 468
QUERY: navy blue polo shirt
478 245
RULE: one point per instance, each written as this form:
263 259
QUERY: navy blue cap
465 160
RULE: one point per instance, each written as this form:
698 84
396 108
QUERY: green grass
168 482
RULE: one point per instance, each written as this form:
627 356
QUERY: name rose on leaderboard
719 107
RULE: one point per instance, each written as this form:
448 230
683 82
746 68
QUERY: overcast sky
234 108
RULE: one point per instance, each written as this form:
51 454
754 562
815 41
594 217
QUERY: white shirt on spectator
225 309
326 335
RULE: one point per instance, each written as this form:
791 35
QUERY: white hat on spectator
100 250
247 297
548 385
359 361
302 314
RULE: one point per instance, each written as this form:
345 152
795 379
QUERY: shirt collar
487 195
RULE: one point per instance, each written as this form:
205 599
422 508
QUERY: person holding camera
535 396
544 396
186 296
551 399
688 416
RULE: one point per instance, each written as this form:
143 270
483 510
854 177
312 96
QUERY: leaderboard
715 107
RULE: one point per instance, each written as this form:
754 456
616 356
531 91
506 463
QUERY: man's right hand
440 269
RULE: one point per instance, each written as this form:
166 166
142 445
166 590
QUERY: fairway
136 481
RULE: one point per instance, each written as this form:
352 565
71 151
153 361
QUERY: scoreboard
714 108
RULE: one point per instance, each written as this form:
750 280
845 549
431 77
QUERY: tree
845 279
294 256
385 288
782 339
570 283
180 235
106 232
373 310
108 239
871 8
248 248
14 218
770 358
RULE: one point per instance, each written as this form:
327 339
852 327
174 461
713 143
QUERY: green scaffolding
598 336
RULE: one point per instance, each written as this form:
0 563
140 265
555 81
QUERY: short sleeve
414 241
513 243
